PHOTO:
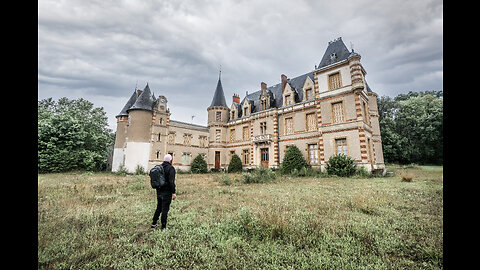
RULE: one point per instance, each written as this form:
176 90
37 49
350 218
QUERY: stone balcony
265 138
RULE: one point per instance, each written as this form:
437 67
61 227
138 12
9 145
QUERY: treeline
72 135
411 126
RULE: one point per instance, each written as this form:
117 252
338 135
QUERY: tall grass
99 220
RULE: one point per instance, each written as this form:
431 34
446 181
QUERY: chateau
328 111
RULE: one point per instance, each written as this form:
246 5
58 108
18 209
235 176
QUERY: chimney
284 81
263 86
236 98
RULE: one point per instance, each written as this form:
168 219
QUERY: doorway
264 157
217 159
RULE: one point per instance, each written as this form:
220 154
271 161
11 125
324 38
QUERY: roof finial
220 71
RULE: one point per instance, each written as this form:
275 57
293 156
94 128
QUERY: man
165 194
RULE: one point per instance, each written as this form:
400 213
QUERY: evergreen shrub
293 160
341 165
235 164
199 165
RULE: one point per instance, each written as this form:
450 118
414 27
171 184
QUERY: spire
219 96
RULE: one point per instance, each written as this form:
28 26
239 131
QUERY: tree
199 165
411 127
72 135
235 164
293 160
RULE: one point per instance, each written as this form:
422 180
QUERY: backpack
157 177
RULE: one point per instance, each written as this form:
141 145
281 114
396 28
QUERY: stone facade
327 111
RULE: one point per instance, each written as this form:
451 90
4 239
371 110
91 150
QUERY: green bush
293 160
199 165
260 175
341 165
235 164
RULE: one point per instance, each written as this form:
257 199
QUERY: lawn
101 221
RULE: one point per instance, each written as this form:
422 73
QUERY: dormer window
288 99
263 104
246 108
308 94
333 56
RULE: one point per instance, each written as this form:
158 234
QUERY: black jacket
169 171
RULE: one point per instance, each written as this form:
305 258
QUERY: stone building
330 110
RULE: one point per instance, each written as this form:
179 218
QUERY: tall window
263 104
308 94
288 99
289 125
334 81
246 155
341 146
246 133
337 112
365 110
311 122
219 116
263 128
217 135
313 153
186 158
232 134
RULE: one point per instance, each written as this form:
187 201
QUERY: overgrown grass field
102 221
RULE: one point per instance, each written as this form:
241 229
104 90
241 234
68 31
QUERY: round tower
137 141
218 114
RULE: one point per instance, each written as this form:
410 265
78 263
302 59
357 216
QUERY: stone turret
137 141
218 116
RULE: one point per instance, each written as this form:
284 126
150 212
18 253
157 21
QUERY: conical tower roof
129 104
144 101
219 96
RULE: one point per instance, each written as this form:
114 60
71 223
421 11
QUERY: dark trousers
163 205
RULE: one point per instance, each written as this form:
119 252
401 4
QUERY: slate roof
129 104
219 96
145 101
336 52
295 83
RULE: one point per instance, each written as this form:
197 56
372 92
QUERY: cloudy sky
101 50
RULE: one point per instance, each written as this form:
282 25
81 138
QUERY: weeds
101 221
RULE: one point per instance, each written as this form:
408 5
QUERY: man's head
168 158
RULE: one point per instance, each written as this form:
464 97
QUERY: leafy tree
411 127
293 160
72 135
341 165
199 165
235 164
